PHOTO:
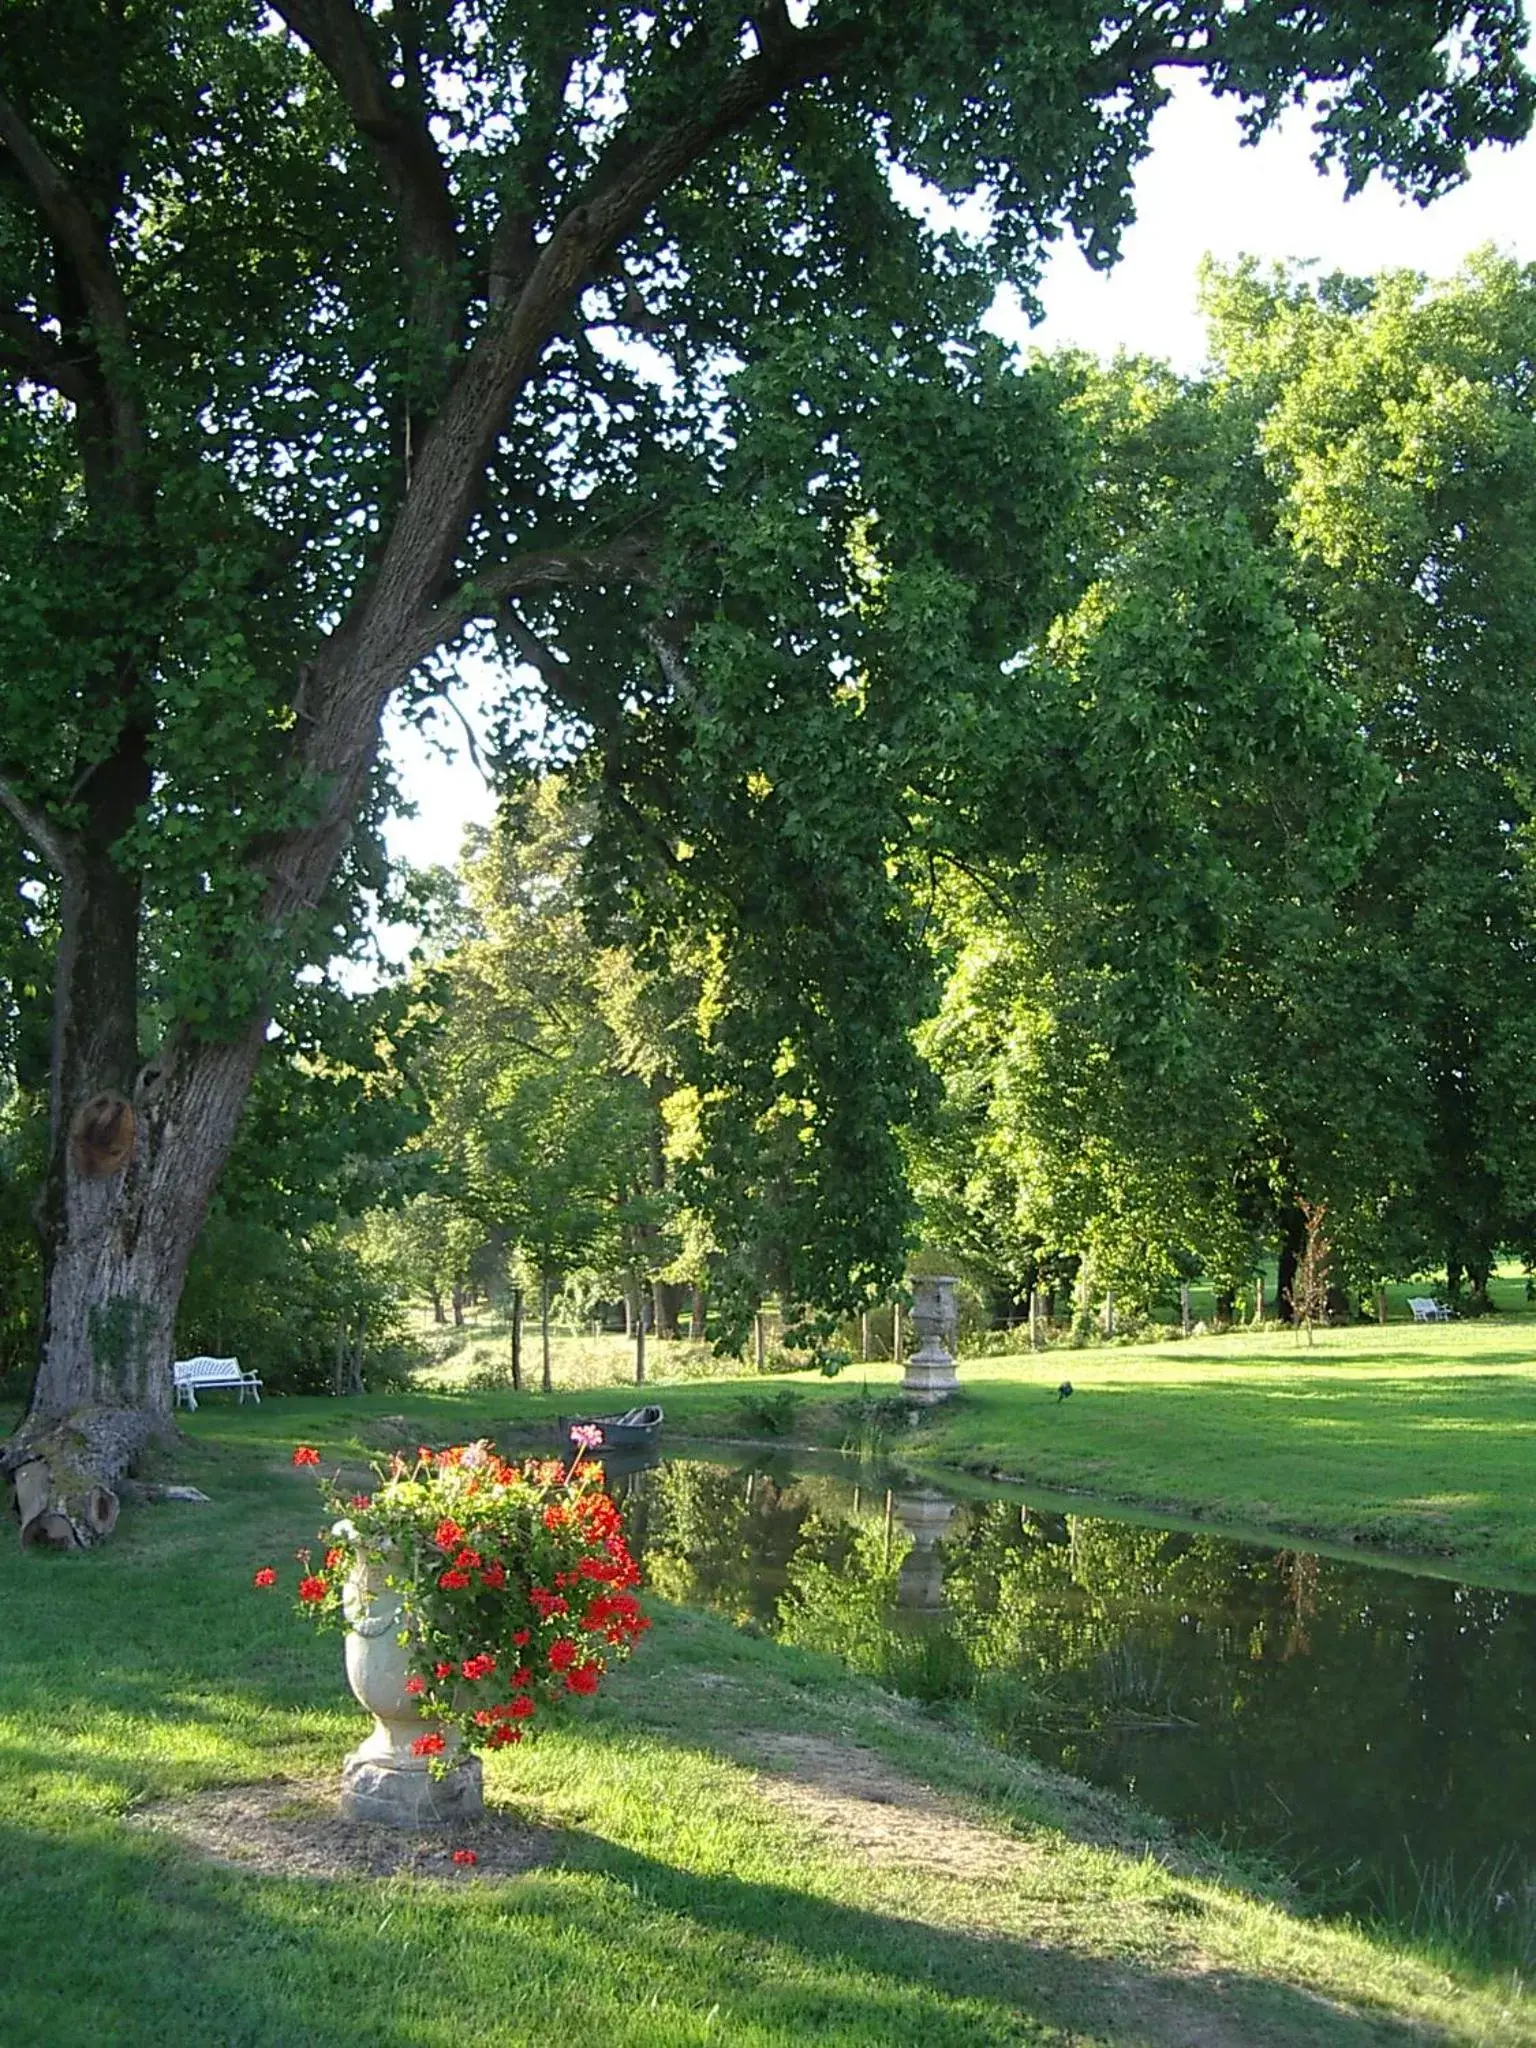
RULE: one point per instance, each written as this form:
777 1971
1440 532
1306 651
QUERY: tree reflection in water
1369 1730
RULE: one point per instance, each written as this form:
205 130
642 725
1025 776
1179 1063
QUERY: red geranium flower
312 1589
265 1577
520 1639
414 1684
465 1856
447 1534
452 1582
444 1670
494 1576
429 1745
520 1708
562 1654
306 1454
583 1677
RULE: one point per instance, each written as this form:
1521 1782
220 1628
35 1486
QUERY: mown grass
689 1902
478 1356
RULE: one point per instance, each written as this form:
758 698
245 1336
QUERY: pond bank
1412 1443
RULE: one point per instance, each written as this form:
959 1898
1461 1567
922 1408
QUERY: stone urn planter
930 1373
384 1779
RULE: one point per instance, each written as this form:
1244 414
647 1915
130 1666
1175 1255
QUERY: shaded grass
691 1905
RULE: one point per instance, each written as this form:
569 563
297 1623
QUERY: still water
1367 1729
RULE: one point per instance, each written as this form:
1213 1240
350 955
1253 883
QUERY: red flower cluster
514 1582
465 1856
265 1577
306 1454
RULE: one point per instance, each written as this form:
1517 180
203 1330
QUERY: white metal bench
193 1375
1426 1310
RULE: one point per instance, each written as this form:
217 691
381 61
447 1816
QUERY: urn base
399 1798
929 1380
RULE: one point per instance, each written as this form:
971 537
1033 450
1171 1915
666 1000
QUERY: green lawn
698 1891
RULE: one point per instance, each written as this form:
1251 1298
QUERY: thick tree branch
430 523
25 347
81 242
394 121
51 840
482 595
514 248
384 635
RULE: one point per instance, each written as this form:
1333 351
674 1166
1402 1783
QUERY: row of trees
1291 663
1304 969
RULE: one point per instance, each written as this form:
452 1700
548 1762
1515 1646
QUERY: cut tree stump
64 1474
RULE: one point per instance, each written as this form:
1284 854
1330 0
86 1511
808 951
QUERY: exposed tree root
65 1473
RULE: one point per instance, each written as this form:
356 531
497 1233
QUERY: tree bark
1292 1245
129 1183
517 1340
667 1300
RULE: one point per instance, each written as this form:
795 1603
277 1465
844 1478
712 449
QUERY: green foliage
765 1414
308 1312
1273 943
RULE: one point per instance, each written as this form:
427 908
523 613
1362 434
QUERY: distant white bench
1426 1310
191 1376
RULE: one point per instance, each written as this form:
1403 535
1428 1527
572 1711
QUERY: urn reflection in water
920 1582
930 1373
384 1779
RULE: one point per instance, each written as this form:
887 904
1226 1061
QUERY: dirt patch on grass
288 1828
860 1802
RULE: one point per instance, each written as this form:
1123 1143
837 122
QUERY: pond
1366 1729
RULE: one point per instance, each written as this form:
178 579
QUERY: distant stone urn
385 1779
931 1368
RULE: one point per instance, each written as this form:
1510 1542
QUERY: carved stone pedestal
384 1779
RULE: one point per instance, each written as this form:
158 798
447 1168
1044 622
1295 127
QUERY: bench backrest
196 1369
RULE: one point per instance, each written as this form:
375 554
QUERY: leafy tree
1305 973
310 318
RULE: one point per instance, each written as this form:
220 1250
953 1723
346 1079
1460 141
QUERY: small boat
635 1430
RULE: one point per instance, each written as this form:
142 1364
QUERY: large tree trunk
136 1149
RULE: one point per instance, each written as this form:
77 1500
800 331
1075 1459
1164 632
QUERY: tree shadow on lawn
137 1942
